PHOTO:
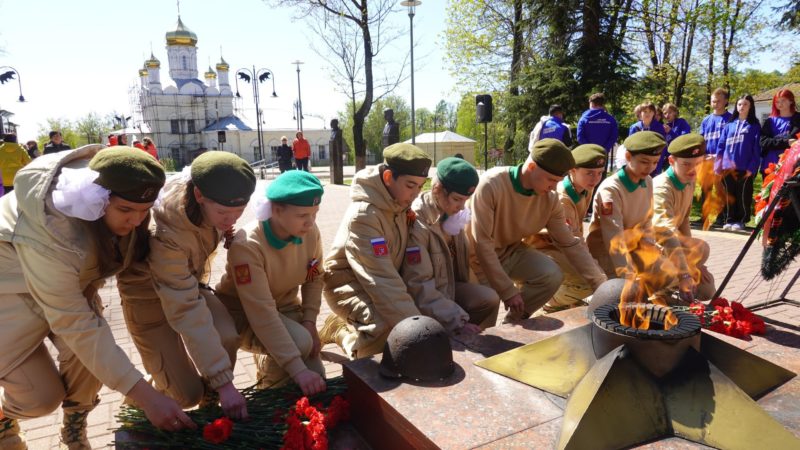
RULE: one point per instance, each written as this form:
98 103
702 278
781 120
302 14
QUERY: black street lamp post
6 76
412 6
255 77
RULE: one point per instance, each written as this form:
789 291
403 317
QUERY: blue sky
83 55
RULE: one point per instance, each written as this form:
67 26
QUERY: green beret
457 175
589 156
645 143
407 159
224 178
296 187
129 173
688 146
553 156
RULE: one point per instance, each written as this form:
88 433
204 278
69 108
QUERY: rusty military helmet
418 348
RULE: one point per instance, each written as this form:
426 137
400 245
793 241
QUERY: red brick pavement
42 433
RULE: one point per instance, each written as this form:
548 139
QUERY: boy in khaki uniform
270 262
513 203
575 193
623 202
436 267
363 285
673 192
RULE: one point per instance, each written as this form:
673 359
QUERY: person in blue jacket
596 126
780 129
711 128
555 128
674 125
712 125
738 156
646 112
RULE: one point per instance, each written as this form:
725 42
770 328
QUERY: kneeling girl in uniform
436 266
171 311
75 219
270 262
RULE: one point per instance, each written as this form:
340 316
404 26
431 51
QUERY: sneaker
738 226
73 431
727 227
10 435
333 330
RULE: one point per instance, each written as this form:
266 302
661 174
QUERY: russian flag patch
413 256
379 247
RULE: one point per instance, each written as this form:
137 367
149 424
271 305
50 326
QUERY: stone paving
43 433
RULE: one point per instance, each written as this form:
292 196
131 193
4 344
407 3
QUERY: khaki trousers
36 386
271 374
536 276
698 250
574 288
481 303
162 350
370 331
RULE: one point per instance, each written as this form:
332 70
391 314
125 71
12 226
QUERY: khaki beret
589 156
407 159
553 156
129 173
689 145
224 178
645 143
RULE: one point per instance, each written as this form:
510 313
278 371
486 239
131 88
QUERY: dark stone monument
391 132
337 153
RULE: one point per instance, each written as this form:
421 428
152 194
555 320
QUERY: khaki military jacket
368 250
504 213
430 270
263 280
575 208
619 205
181 255
672 203
51 257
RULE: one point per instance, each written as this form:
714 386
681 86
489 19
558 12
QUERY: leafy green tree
92 128
67 128
790 19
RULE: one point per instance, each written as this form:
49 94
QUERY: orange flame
652 274
713 192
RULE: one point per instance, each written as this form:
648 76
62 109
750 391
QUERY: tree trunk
686 58
727 48
366 105
712 41
513 86
649 34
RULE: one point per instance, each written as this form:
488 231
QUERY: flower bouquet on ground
279 418
729 318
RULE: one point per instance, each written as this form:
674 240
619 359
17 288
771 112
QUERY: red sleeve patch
608 209
413 256
242 274
379 246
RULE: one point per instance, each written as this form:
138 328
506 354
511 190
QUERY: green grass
696 207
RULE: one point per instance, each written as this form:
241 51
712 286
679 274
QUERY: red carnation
218 431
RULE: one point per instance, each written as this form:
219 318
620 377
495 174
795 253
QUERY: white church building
189 116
